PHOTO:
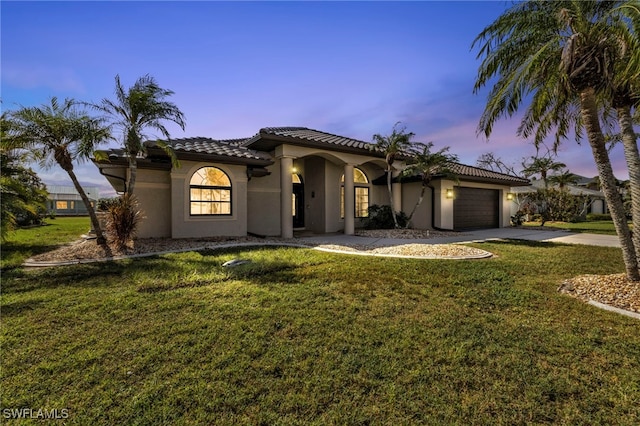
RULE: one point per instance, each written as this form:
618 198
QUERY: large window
210 192
361 190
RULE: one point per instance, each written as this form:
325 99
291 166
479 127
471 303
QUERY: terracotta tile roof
481 174
268 137
254 150
466 173
220 148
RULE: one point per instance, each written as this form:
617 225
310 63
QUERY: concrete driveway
554 236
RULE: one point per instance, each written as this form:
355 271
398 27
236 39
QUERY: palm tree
428 165
563 179
61 134
143 106
542 166
393 146
561 55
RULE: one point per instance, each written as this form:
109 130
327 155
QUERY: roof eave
268 142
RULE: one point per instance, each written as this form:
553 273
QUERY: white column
286 197
349 201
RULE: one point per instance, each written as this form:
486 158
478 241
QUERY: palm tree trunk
393 210
589 112
100 239
632 157
416 206
133 174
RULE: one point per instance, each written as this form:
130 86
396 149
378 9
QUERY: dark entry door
298 205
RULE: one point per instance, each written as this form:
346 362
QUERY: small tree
490 161
559 205
61 134
428 165
393 145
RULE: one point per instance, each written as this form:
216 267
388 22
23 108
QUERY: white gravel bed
614 290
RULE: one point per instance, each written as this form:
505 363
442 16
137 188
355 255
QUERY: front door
298 205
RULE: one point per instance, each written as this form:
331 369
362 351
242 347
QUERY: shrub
558 205
598 216
123 217
380 217
518 218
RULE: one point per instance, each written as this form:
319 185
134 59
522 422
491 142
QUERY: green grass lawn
39 239
305 337
593 227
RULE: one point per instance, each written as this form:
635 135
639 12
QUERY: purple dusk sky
348 68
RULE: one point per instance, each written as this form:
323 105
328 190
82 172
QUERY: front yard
605 227
304 337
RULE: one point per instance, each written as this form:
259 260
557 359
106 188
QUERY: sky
347 68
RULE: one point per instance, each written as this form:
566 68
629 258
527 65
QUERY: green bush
381 217
518 218
591 217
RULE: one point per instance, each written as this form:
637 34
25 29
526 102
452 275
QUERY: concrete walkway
553 236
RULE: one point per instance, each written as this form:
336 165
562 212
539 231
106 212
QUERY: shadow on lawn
524 243
86 275
19 308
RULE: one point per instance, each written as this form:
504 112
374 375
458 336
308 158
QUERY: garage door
475 208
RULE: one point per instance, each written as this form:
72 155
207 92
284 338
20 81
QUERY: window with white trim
209 192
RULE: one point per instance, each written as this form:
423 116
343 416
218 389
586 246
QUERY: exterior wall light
510 196
449 192
294 169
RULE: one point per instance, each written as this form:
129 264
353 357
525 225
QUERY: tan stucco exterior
262 192
184 225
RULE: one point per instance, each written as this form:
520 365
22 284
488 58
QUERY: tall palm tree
137 109
428 165
542 166
561 55
393 146
61 134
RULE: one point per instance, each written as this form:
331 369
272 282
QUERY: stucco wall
186 226
410 195
263 203
314 193
152 190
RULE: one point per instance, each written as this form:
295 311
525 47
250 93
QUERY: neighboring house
65 200
597 202
288 178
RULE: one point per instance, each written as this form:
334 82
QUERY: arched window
209 192
361 189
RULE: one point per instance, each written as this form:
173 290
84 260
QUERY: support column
349 201
396 189
286 197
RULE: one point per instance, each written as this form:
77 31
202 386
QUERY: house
66 201
286 178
